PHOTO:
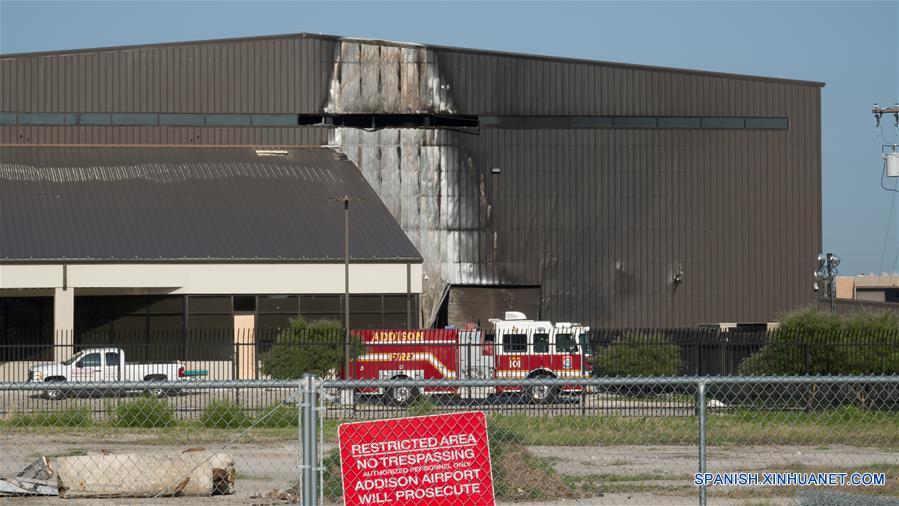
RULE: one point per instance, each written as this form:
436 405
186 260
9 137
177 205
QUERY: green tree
315 347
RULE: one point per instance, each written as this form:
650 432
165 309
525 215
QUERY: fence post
701 410
309 436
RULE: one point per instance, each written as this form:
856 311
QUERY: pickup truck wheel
159 393
53 394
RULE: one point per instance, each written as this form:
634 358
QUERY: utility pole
346 286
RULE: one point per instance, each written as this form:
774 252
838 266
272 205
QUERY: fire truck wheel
543 394
401 396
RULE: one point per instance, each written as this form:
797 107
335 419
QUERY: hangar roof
190 204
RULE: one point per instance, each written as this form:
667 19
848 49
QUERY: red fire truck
518 348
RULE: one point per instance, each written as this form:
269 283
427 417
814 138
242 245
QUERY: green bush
639 354
69 417
315 347
143 412
278 416
812 342
224 414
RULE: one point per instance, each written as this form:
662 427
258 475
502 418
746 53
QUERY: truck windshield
73 359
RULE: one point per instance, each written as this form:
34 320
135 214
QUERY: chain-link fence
630 440
236 439
759 440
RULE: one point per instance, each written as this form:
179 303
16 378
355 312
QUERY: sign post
434 460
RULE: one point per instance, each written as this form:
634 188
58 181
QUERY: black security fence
230 353
713 352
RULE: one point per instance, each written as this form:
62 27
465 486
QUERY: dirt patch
518 474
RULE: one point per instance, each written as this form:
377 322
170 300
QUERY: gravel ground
267 465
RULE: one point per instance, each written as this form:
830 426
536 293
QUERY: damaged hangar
573 190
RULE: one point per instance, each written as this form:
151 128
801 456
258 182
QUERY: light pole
827 273
346 286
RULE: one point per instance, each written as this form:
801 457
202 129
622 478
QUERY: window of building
135 119
182 119
515 343
7 118
634 122
722 123
244 303
42 118
228 120
274 120
92 119
671 122
768 123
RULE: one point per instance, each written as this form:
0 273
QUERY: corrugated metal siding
599 218
127 204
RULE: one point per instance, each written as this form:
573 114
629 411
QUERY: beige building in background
869 288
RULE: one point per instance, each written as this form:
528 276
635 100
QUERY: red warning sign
437 459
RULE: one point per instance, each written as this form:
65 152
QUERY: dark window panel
182 119
634 122
228 120
366 321
365 304
212 323
768 123
165 322
394 303
208 304
275 120
134 119
277 304
92 119
94 305
42 118
130 324
166 304
7 118
320 303
272 321
129 304
591 122
679 123
244 303
311 317
395 320
722 122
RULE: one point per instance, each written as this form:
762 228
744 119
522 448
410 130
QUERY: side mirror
78 364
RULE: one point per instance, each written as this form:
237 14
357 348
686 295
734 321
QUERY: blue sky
852 46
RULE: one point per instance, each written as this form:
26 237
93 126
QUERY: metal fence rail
636 440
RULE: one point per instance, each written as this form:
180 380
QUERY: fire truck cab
540 349
518 348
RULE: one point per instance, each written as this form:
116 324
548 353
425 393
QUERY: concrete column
63 323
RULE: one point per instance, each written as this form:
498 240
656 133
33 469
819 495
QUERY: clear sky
852 46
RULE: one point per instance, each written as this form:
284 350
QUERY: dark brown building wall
600 219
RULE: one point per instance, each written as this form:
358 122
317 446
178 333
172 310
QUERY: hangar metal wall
600 219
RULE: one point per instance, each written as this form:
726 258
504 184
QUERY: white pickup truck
104 365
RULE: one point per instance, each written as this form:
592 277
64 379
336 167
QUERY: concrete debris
36 479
